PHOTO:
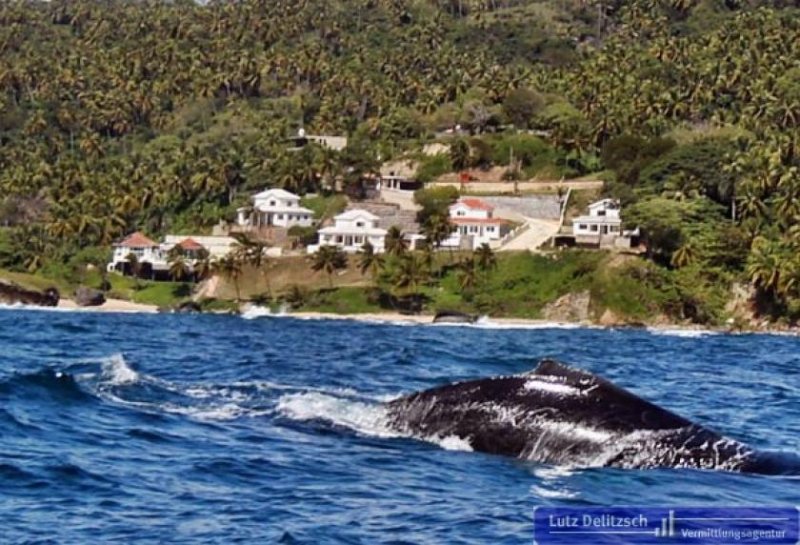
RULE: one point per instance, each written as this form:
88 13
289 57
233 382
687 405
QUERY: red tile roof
137 240
462 220
190 244
476 204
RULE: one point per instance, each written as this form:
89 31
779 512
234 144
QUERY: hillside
160 116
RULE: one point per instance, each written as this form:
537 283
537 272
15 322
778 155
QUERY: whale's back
562 415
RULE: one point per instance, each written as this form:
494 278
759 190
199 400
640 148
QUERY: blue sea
136 428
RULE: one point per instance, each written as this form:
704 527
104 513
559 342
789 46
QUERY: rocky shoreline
14 294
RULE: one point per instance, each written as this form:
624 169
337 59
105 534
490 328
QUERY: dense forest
117 115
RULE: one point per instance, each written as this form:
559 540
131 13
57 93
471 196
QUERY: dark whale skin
565 416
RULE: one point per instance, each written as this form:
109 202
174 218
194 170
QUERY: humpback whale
560 415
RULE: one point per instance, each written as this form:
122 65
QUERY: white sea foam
116 371
685 333
251 312
453 442
364 418
553 493
215 413
553 473
370 419
20 306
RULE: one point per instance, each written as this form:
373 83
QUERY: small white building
154 258
602 227
603 219
475 225
336 143
139 245
392 182
274 208
351 229
216 246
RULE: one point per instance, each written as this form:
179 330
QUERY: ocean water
133 428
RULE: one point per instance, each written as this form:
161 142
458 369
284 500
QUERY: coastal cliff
12 294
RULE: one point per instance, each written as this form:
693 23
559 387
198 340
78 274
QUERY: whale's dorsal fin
622 405
554 368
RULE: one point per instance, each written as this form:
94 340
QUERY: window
601 212
593 228
490 229
280 216
581 227
359 224
339 239
473 228
613 228
272 203
359 240
461 213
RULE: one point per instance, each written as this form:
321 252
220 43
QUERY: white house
392 182
475 224
336 143
275 208
216 246
351 229
154 258
603 219
602 227
145 250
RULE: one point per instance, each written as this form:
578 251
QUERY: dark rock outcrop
188 307
89 297
11 294
453 317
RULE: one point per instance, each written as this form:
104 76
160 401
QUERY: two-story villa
351 229
274 208
137 244
475 224
603 220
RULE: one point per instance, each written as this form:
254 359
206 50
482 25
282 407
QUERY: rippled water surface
217 429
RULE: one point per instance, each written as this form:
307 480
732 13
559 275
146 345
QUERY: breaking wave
252 312
114 380
684 333
368 418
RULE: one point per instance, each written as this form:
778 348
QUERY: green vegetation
325 207
522 285
164 116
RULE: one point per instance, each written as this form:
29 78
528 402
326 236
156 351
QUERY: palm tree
178 269
369 261
485 259
459 154
410 273
764 266
202 268
329 259
683 256
437 228
467 274
253 253
135 267
230 268
396 243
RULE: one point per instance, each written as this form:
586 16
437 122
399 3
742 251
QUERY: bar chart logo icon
664 525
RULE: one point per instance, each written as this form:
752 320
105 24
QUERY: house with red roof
475 224
148 253
153 258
